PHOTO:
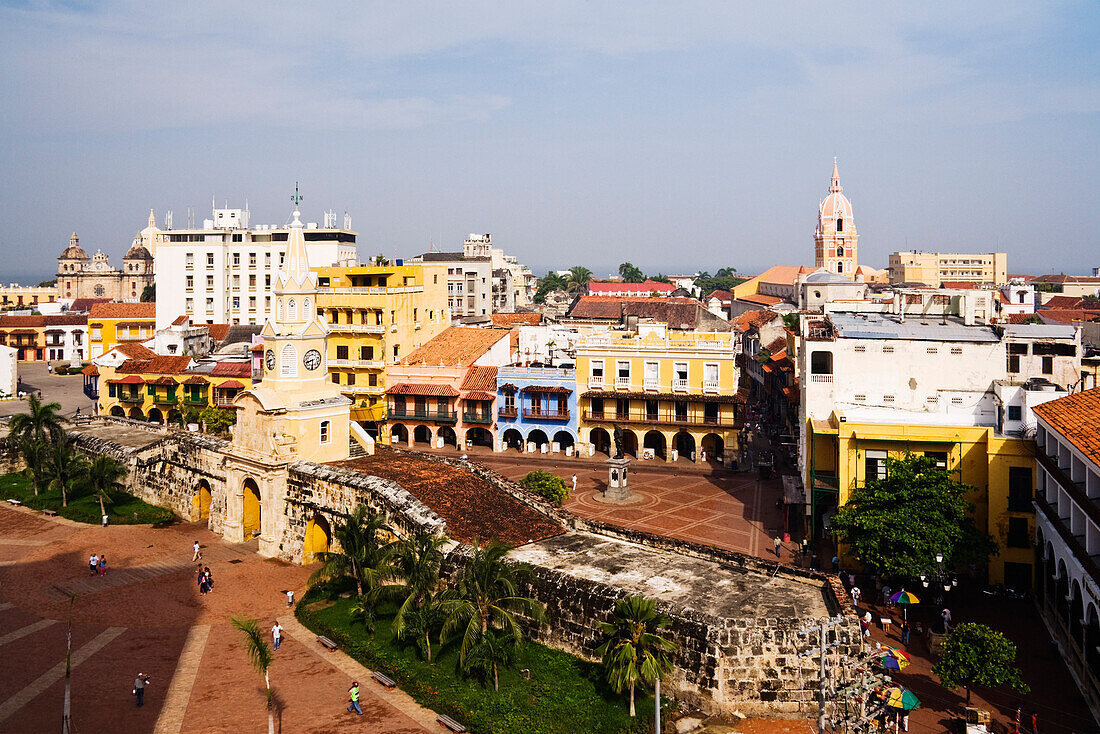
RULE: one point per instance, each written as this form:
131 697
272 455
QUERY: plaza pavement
146 616
68 390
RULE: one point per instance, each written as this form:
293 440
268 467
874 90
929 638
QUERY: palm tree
493 652
487 598
259 654
41 422
423 621
362 555
630 273
632 649
67 467
104 480
36 456
578 278
417 562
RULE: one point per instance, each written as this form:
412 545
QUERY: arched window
291 310
839 225
279 310
840 267
306 304
840 252
288 361
326 431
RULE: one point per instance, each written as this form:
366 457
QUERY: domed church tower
70 262
836 239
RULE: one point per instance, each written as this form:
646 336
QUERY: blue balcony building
537 406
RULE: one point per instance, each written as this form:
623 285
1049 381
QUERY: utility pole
822 648
858 682
66 711
657 705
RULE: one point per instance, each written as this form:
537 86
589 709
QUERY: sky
678 136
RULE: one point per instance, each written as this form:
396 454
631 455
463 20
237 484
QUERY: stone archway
714 447
399 432
175 417
136 414
317 539
252 510
422 434
448 435
118 411
155 415
538 437
1061 594
564 439
479 436
655 440
1091 641
630 443
601 440
202 499
684 443
513 439
1076 614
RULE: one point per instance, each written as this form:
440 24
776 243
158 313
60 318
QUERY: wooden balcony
439 416
548 415
507 412
663 418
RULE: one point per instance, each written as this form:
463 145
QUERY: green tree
549 282
546 485
416 562
149 293
661 278
47 283
631 273
633 650
726 273
41 422
975 655
423 621
488 598
217 419
104 480
492 652
260 655
36 456
578 279
67 467
364 557
899 524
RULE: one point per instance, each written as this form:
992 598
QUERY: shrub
549 486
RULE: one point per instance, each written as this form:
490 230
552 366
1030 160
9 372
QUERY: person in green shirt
353 696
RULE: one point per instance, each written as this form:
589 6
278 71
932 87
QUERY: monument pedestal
618 488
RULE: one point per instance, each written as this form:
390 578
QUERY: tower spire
295 265
834 185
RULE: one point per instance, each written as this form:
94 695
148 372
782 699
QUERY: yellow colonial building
376 315
673 394
111 324
843 455
165 389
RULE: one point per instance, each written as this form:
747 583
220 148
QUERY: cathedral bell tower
836 239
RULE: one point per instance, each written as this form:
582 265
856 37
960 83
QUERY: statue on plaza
618 442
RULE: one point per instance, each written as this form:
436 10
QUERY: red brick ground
157 613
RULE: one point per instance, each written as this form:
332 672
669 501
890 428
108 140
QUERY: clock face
312 360
269 359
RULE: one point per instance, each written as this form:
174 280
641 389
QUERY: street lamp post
938 578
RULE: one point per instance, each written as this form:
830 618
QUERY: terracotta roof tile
157 365
218 332
456 346
1077 417
166 380
91 370
230 385
232 369
31 321
481 378
523 319
1062 302
129 380
649 286
760 299
196 380
85 304
408 388
135 350
778 344
180 320
115 310
478 395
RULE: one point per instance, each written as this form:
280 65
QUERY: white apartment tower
224 273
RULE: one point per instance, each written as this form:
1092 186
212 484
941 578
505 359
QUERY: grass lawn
126 510
565 695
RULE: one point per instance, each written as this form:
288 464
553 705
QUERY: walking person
103 565
905 633
290 597
778 544
209 578
276 634
856 594
574 484
202 582
946 616
353 696
93 564
140 682
197 555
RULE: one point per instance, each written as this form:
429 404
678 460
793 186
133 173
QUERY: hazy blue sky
676 135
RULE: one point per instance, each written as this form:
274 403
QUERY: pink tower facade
835 239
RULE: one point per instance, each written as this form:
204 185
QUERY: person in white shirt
574 483
93 564
277 634
290 597
197 555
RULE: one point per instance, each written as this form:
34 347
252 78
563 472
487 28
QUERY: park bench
327 643
49 513
15 502
384 680
450 723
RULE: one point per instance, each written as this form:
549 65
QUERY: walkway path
179 690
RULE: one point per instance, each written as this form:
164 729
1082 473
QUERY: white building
1016 297
223 273
547 344
516 283
183 337
9 371
469 283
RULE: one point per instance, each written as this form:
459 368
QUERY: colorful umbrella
889 662
900 698
904 598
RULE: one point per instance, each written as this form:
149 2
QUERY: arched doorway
175 418
513 439
155 416
448 435
1076 614
479 437
400 433
251 512
601 440
684 443
1040 577
422 434
630 443
1061 593
202 499
318 537
136 414
118 411
655 440
538 437
1092 641
564 439
714 446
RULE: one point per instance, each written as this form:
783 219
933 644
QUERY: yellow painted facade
375 316
117 323
162 402
839 461
666 390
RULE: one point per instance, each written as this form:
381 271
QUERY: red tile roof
639 289
91 370
230 385
1062 302
85 304
157 365
522 319
777 345
163 381
960 285
134 350
476 395
1077 417
232 369
481 378
115 310
218 332
129 380
32 321
760 299
408 388
457 346
196 380
180 320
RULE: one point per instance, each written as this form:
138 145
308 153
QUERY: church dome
137 251
74 251
836 204
821 275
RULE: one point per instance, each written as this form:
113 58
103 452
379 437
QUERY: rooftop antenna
297 198
168 219
190 217
347 220
213 204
